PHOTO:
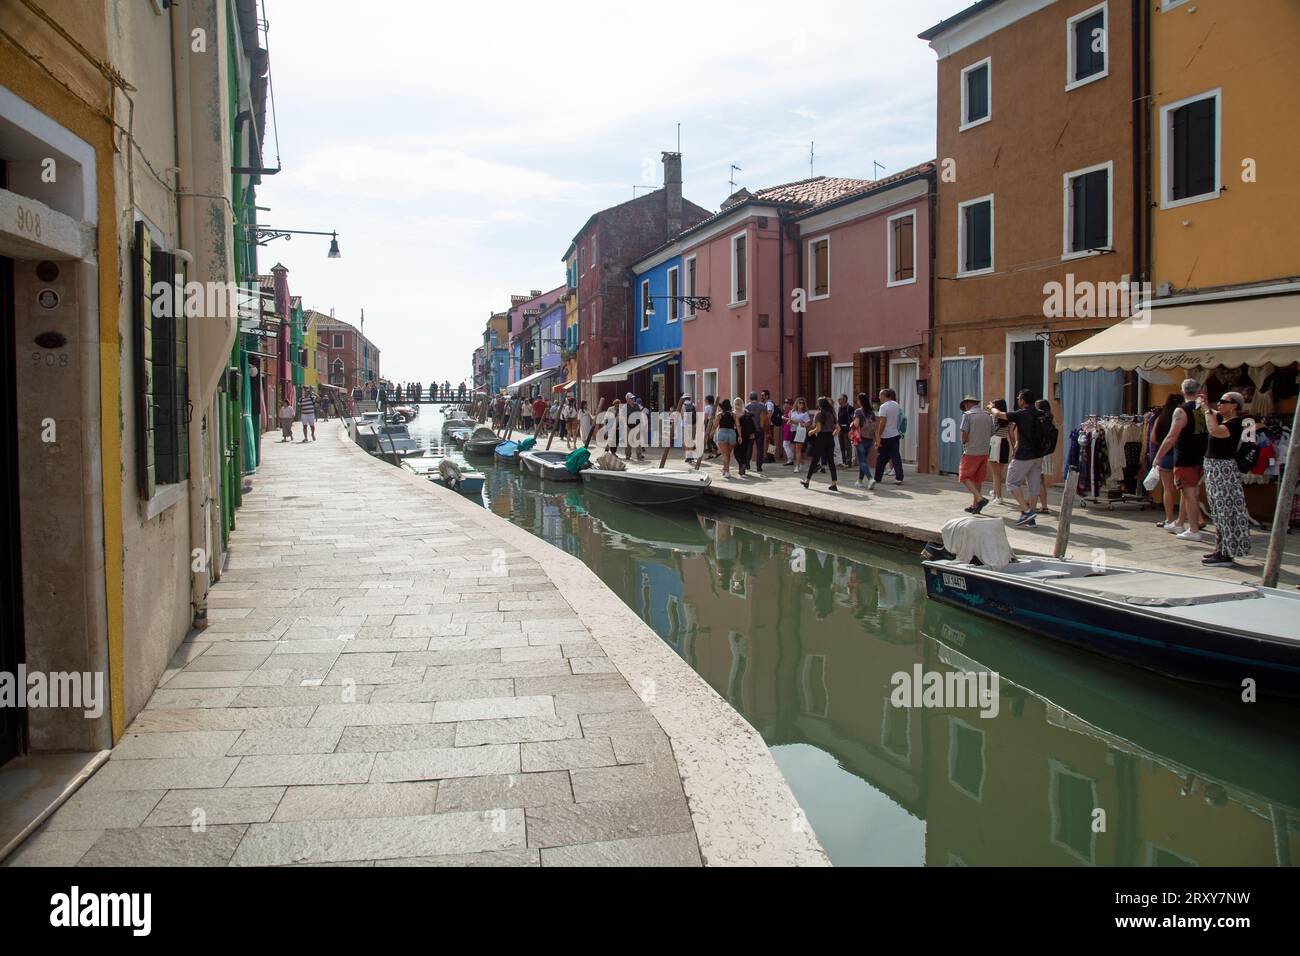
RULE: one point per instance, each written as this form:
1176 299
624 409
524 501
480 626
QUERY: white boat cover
979 537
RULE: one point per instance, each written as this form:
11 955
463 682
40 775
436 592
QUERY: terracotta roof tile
869 186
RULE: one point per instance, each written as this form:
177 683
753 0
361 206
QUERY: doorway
1026 365
842 382
13 725
958 377
902 379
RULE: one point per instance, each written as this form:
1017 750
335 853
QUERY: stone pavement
918 509
393 675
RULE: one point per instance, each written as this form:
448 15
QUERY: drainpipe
1140 53
798 320
186 232
933 395
780 322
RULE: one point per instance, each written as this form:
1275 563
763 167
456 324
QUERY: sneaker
1189 536
898 481
871 483
1218 561
977 508
1026 520
997 500
1175 528
859 484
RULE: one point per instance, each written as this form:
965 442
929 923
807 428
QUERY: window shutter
1096 210
903 265
1200 147
142 274
978 239
1088 61
977 94
859 373
740 269
804 378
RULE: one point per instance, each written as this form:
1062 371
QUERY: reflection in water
802 631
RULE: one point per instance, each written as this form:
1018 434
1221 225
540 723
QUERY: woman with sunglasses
1223 479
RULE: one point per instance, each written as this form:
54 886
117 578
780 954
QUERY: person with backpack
1048 445
891 425
1229 451
1025 476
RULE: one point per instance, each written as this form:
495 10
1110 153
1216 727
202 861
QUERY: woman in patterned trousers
1223 479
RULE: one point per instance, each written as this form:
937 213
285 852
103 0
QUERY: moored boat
507 453
1188 627
452 423
459 478
647 486
395 440
482 441
547 464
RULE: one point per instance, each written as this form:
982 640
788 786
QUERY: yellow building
310 373
571 315
1225 143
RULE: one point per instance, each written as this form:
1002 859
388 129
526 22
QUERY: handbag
800 434
1152 479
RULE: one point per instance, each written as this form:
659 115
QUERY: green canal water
802 629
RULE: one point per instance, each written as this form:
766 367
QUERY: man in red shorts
976 433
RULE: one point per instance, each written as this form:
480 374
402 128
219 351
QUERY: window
819 267
689 311
739 270
338 340
976 93
674 294
1189 145
645 305
1073 798
1086 40
1087 211
975 236
812 686
595 326
161 366
688 388
965 758
901 233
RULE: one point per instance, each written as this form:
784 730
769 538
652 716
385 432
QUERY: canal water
803 629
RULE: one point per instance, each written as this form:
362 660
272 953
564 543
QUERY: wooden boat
507 453
458 436
547 464
396 440
647 486
1188 627
459 478
483 441
451 423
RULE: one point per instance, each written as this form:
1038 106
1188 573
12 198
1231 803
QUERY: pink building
866 268
746 259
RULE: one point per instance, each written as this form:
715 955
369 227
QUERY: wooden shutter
804 378
904 267
979 241
142 278
859 373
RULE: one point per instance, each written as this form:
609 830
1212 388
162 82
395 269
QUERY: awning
535 377
1227 332
565 387
623 370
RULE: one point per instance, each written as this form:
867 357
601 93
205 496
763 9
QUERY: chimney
673 193
534 293
281 285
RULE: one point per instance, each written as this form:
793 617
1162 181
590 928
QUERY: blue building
654 368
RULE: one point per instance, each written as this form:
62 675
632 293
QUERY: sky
457 148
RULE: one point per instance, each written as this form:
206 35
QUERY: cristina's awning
623 370
1206 334
565 386
535 377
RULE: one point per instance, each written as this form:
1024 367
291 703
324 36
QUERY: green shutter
142 276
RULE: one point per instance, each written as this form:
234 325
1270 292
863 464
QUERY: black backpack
1046 434
1247 451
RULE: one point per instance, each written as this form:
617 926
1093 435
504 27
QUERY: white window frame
961 237
889 711
811 266
744 234
688 386
337 340
806 686
1057 770
704 380
890 282
1067 211
964 125
645 301
674 301
953 722
1070 82
1166 150
688 310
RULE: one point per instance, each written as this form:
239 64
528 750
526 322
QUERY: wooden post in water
1067 511
1282 511
672 422
595 423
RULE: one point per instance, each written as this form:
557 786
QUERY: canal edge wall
741 805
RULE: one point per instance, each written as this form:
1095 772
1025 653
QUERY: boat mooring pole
1067 511
671 424
1282 511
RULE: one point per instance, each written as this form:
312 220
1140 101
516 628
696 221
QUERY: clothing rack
1083 440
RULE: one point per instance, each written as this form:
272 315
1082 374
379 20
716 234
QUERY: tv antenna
874 164
734 169
811 157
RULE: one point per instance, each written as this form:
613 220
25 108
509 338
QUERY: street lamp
264 234
698 303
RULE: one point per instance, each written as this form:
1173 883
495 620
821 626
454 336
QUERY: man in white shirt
888 437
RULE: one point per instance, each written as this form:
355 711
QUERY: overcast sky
457 148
